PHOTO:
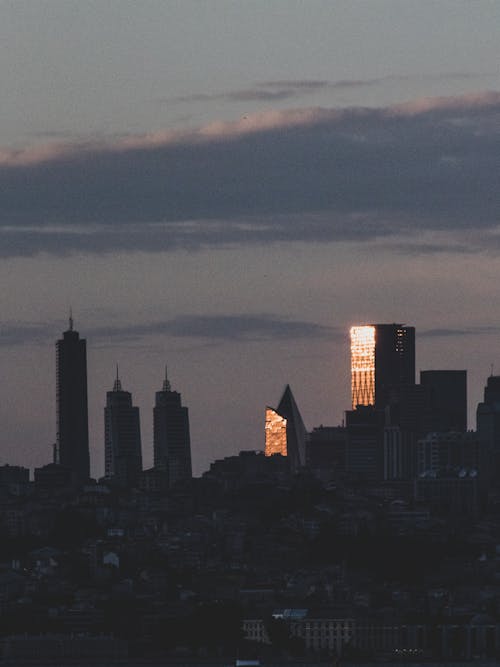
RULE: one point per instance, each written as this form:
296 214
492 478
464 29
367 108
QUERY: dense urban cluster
376 539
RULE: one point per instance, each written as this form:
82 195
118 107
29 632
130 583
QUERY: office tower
172 445
122 437
285 431
409 408
447 391
382 358
365 443
400 453
488 423
72 440
326 451
451 451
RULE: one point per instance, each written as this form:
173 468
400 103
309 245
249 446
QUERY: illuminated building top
363 365
285 431
275 433
382 359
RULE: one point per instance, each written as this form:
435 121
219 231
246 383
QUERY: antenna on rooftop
118 384
166 383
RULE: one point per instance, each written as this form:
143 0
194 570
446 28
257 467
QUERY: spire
166 383
70 318
118 385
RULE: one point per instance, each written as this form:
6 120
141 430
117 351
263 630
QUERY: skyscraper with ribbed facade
172 443
382 358
122 437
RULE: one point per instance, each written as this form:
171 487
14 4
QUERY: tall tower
172 444
72 438
122 436
488 423
382 358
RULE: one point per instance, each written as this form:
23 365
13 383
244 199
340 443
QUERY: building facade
72 437
122 437
285 432
382 358
447 391
172 444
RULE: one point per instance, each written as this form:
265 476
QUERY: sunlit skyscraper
363 365
72 438
285 432
382 358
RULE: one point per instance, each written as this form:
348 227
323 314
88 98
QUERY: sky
226 187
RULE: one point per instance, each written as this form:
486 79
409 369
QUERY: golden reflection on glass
363 365
275 433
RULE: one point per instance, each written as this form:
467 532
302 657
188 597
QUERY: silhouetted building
13 475
409 407
488 422
285 431
122 437
326 450
399 453
382 358
53 476
447 391
365 439
72 446
450 492
14 479
449 451
172 444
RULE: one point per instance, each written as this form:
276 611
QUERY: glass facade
276 441
363 365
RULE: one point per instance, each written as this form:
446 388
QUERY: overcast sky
226 187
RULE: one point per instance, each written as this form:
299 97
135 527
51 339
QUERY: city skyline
452 408
227 187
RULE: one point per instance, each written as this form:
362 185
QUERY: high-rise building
72 439
447 391
382 358
326 451
122 437
172 445
285 431
365 443
488 422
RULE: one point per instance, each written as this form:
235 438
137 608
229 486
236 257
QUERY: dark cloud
261 92
467 331
25 333
283 89
236 328
305 175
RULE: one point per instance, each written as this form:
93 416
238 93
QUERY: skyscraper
122 436
72 438
382 358
285 431
447 392
488 423
172 445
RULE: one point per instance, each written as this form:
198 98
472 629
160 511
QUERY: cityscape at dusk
250 344
228 188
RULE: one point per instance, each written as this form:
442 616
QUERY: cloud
467 331
223 327
284 89
315 174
